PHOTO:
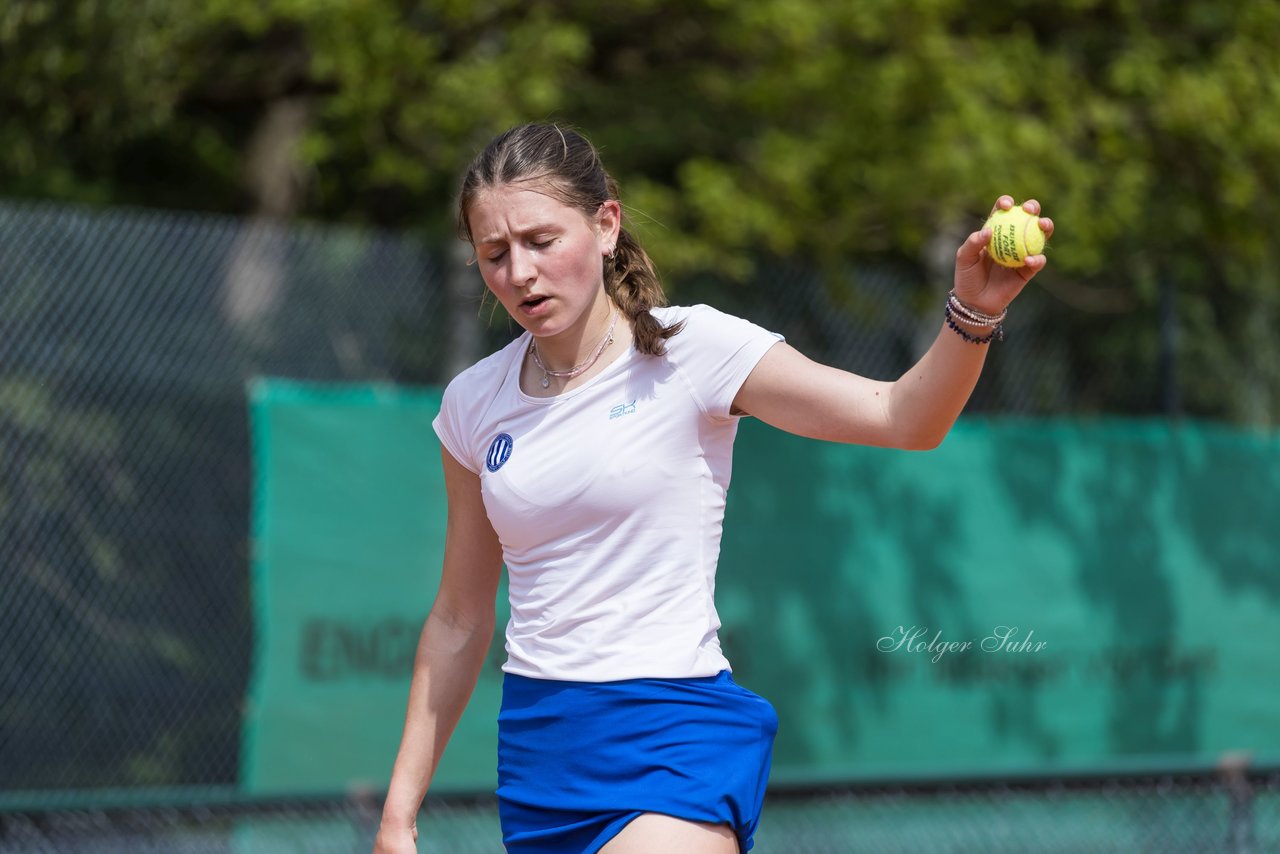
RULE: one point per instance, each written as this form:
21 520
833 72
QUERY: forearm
792 393
447 664
926 401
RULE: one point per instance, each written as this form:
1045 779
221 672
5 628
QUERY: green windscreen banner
348 536
1034 596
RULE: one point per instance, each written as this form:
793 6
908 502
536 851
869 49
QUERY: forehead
508 209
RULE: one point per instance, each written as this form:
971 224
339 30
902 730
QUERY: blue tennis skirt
578 760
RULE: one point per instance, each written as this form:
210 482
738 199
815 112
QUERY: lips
535 305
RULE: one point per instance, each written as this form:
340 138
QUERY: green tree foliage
792 128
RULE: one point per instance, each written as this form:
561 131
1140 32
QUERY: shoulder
486 375
668 315
705 327
467 399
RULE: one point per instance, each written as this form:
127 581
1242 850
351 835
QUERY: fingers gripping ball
1015 234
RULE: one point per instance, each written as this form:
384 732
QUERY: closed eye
536 244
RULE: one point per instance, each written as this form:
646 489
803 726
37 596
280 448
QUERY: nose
523 270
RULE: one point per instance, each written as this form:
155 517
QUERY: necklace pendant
546 381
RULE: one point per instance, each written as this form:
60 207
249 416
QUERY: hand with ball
996 262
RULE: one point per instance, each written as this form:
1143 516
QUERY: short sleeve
716 352
449 429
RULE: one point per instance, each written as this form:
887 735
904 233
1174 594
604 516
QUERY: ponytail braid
633 285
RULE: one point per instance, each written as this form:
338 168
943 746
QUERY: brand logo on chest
622 409
499 451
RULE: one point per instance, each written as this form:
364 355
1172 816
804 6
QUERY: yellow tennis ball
1015 234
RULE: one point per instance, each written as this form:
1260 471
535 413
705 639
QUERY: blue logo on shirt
499 451
622 409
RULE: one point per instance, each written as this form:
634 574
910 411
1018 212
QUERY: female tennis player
592 456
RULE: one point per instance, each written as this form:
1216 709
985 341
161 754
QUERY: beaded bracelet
972 315
971 319
996 333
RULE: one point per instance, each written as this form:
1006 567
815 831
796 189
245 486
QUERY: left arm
803 397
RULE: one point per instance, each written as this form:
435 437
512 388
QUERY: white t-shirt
609 499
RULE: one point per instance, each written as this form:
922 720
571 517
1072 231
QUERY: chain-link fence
126 341
1183 814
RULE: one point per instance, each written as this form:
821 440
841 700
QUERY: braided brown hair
570 168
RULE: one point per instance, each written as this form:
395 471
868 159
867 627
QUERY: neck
576 344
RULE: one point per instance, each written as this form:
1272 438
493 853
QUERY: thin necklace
574 371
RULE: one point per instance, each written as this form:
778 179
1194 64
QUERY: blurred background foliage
876 132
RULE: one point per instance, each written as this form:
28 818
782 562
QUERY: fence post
1170 394
463 287
1233 768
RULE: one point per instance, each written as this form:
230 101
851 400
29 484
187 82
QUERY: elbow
445 638
911 427
922 440
463 622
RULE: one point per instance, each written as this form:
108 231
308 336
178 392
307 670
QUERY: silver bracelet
978 318
981 324
971 315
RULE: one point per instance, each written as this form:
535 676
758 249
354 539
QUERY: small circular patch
499 451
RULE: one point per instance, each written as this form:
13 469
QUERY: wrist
398 816
971 324
977 305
